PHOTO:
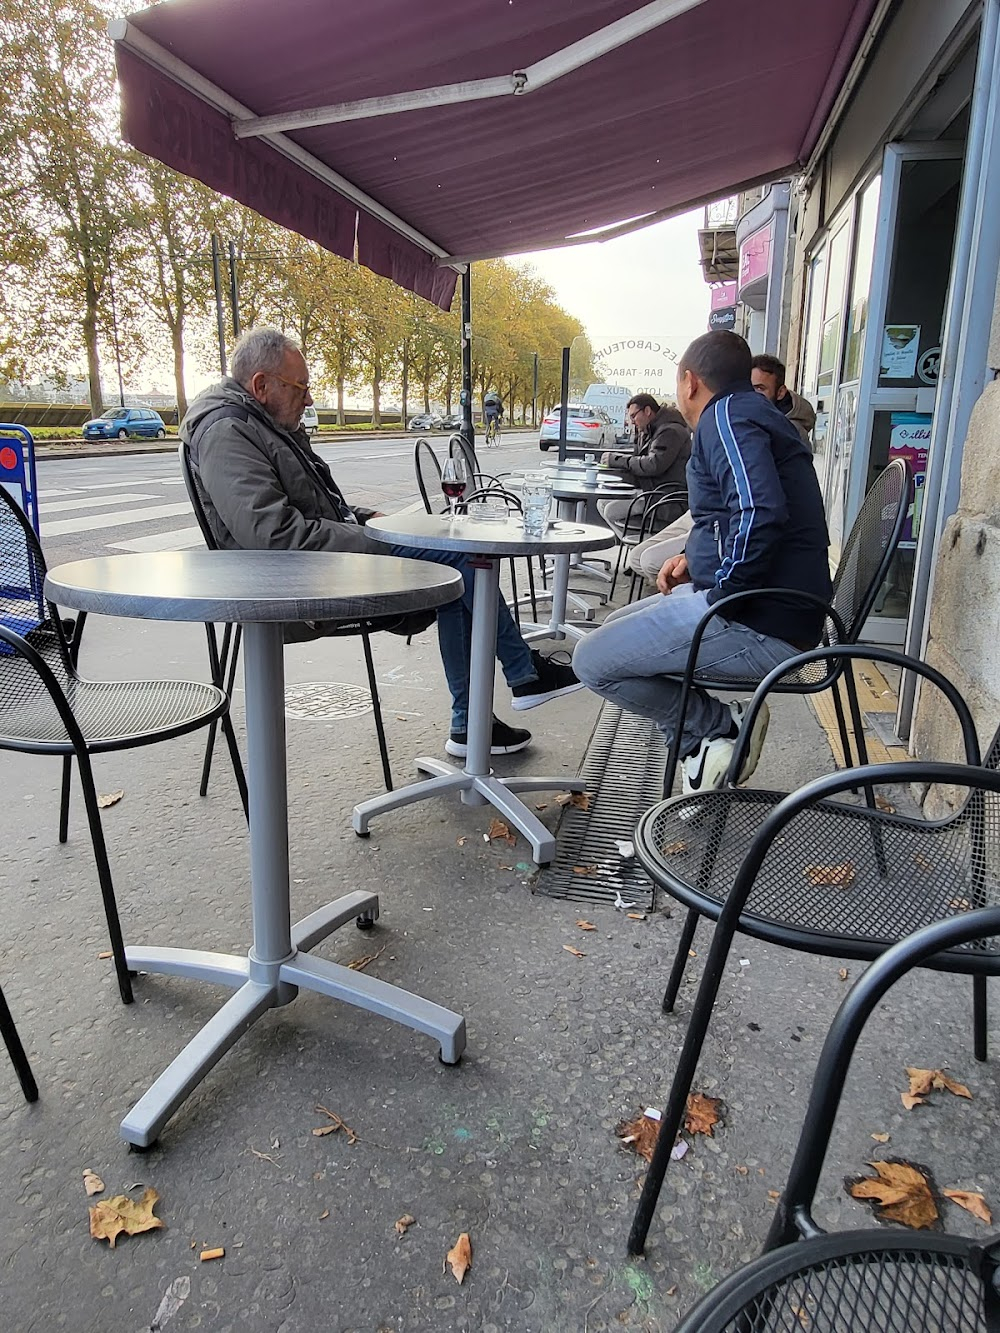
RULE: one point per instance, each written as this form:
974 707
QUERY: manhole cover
326 700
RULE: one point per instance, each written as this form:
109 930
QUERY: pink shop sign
755 254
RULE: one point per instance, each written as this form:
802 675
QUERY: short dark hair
770 365
643 400
718 359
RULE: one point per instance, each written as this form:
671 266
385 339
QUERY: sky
647 287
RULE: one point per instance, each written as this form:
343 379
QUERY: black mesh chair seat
850 1283
809 678
845 879
110 714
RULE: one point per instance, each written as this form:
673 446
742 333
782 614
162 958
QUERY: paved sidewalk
515 1146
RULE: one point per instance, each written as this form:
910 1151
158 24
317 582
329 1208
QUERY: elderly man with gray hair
264 488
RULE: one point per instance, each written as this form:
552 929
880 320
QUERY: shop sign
900 345
723 295
755 254
722 319
909 439
929 366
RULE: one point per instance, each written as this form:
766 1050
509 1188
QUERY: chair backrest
870 546
191 486
23 608
428 470
459 446
508 498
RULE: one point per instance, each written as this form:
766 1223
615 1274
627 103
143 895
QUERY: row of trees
104 252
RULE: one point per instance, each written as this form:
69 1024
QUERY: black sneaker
553 679
504 740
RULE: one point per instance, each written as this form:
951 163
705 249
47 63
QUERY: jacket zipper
718 539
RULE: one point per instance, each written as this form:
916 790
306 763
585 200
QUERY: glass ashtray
487 511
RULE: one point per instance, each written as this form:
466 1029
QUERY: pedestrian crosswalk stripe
118 519
90 502
181 539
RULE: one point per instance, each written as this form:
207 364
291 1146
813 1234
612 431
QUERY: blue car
126 423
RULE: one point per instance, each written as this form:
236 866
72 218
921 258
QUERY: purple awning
721 95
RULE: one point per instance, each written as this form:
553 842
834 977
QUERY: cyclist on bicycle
493 416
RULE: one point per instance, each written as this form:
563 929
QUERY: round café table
486 544
261 590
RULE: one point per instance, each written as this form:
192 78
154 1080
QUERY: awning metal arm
518 84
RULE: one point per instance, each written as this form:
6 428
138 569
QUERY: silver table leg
277 965
476 783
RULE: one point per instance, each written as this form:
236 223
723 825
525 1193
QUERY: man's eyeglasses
292 384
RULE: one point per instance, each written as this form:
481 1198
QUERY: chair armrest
34 659
845 652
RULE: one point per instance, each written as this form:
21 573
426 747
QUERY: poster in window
900 345
909 439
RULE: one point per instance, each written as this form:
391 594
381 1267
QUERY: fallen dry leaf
924 1081
701 1114
359 964
885 806
459 1257
881 1138
324 1214
674 848
837 876
498 831
218 1253
900 1192
111 798
405 1221
586 925
110 1217
460 842
639 1134
842 974
575 952
337 1123
922 862
774 1195
742 1170
585 870
106 953
960 904
972 1203
92 1182
580 800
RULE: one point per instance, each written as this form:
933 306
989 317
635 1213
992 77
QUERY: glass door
893 396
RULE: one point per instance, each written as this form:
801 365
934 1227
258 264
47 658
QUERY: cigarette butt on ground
212 1254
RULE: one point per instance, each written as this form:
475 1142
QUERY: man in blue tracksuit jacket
758 522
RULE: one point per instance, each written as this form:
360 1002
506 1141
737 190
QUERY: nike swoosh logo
696 781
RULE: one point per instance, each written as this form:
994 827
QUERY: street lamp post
114 335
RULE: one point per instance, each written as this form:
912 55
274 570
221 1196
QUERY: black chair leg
979 1015
16 1052
67 773
513 592
618 565
377 708
215 667
531 590
237 761
104 876
680 961
838 708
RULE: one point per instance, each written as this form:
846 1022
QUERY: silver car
589 430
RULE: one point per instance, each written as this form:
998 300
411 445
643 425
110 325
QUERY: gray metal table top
474 537
571 486
251 586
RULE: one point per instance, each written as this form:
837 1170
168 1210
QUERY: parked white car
589 430
310 421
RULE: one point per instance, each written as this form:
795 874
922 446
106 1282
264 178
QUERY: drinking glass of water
536 499
454 478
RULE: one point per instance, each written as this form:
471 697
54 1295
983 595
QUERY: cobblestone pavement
515 1146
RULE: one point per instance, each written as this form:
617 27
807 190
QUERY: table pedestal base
262 986
475 789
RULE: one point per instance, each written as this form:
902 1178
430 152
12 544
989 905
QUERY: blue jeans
625 660
454 624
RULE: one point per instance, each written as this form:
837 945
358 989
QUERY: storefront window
864 253
830 340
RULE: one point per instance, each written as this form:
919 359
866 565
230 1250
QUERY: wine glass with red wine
454 479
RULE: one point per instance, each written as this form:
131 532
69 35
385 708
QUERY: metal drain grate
326 700
624 768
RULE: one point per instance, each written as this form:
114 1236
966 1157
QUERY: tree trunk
377 394
93 358
448 390
340 400
406 376
177 340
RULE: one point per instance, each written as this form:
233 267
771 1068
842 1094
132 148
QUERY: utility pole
534 395
220 317
114 332
468 430
234 290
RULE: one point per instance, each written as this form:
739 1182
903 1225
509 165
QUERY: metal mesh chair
639 519
16 1052
862 1281
863 566
225 656
46 707
823 876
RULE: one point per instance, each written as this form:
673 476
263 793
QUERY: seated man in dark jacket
758 522
658 461
264 489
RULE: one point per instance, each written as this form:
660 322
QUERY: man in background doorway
767 375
